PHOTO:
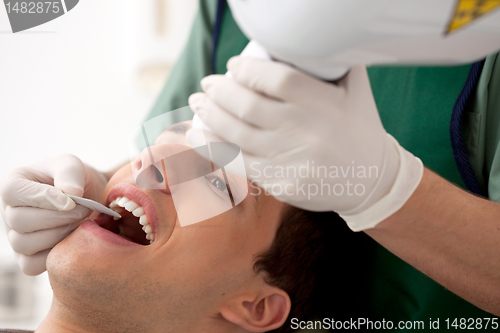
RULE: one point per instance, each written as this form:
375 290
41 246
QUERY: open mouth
133 226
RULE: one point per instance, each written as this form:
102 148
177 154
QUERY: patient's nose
148 175
141 162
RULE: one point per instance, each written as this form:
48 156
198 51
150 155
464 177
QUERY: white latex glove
37 214
285 121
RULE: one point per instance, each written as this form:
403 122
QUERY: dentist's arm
451 236
282 118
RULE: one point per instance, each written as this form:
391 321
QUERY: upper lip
138 196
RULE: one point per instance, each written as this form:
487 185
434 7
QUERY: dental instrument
93 205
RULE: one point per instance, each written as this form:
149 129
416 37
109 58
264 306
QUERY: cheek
215 249
202 271
197 201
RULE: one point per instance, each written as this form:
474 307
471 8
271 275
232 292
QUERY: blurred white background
78 85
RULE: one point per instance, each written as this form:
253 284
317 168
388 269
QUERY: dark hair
307 248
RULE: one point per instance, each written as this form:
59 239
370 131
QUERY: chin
90 290
74 254
68 268
75 274
82 273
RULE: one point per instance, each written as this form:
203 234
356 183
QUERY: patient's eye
217 182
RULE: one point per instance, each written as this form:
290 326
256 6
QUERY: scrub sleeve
415 105
482 129
184 80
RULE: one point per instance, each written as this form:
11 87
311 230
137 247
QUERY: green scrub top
415 105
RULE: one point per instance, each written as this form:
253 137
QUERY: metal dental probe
93 205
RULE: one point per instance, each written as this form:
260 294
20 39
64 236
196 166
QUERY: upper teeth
136 210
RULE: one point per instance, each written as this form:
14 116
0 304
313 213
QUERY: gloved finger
34 264
31 186
30 265
357 81
30 219
245 104
33 242
68 173
256 168
250 139
278 80
22 188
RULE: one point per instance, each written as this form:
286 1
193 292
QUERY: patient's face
181 278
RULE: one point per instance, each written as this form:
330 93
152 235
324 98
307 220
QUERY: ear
259 313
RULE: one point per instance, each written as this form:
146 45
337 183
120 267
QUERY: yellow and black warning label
467 11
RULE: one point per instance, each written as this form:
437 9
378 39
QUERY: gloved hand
315 145
37 214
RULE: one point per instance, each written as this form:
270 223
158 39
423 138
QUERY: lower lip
93 227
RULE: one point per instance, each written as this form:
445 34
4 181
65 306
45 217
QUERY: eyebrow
179 128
